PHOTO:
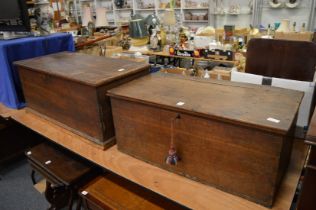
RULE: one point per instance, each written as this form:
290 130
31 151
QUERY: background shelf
261 14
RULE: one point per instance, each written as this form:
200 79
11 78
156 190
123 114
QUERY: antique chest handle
172 157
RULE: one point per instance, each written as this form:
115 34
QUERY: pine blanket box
70 89
236 137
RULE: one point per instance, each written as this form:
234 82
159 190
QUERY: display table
177 188
163 54
167 55
18 49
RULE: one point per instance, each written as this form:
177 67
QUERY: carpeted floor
16 188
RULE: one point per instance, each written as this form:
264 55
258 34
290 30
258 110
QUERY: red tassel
172 157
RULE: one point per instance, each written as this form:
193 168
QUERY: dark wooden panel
282 59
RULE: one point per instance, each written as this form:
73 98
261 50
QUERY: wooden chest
233 136
70 88
113 192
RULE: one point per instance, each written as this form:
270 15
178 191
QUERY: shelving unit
31 8
261 12
222 13
173 8
300 14
197 8
312 17
196 21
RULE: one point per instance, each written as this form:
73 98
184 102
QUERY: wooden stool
64 173
113 192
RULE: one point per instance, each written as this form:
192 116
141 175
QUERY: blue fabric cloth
11 93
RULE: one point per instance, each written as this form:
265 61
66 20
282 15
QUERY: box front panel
233 158
71 104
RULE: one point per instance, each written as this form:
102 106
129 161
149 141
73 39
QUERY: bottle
303 29
293 27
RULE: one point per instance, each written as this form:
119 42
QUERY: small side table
64 172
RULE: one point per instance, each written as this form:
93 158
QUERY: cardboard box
220 74
295 36
110 50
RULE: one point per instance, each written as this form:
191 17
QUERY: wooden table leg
57 196
71 200
79 203
33 177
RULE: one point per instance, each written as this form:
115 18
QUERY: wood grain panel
234 158
67 102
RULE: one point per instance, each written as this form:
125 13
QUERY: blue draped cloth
11 93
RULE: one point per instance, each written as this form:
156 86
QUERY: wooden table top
5 112
180 189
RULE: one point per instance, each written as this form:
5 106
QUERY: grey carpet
16 188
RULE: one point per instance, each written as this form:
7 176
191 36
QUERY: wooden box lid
113 192
266 108
82 68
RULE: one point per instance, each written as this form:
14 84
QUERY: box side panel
287 144
71 104
105 104
234 158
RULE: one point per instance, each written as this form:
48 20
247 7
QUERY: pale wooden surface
180 189
5 112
